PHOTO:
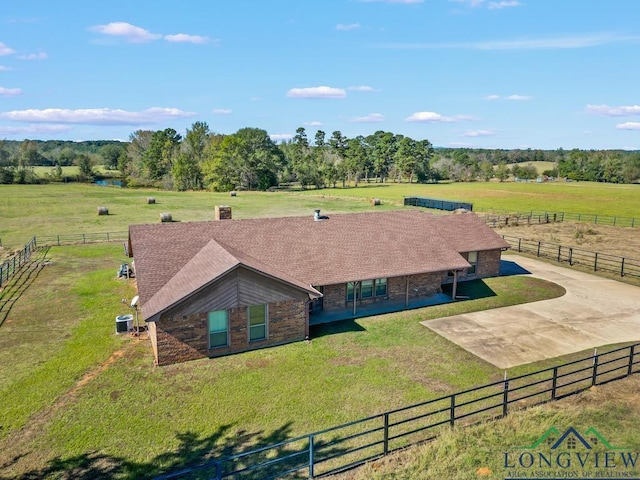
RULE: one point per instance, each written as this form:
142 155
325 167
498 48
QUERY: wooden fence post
594 377
622 268
571 256
559 252
554 383
595 263
631 353
538 248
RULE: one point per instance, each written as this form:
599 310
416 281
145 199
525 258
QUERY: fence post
559 252
83 239
107 236
1 275
622 268
452 411
595 219
505 396
538 248
633 221
614 221
386 434
519 240
631 353
594 378
595 263
571 256
311 472
554 383
58 240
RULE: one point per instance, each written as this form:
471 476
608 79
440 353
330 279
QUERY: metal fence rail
81 238
604 262
596 219
9 267
346 446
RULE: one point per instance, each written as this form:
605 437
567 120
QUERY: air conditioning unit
124 324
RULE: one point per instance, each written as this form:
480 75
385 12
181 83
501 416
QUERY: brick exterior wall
488 265
426 284
183 339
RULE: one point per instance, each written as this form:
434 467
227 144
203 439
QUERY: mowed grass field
56 209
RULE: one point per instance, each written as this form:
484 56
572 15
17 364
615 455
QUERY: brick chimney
223 212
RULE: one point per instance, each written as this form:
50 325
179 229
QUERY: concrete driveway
594 312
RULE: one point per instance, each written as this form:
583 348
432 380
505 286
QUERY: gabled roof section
205 267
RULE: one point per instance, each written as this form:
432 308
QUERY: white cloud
33 56
222 111
317 92
461 144
503 4
608 111
348 27
5 50
34 129
547 43
185 38
10 92
628 126
371 118
313 124
478 133
471 3
433 117
519 97
4 69
130 32
96 116
492 97
362 88
280 136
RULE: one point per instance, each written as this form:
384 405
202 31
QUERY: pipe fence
346 446
10 267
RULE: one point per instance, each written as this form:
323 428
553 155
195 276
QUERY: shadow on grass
473 289
508 268
20 282
194 458
341 326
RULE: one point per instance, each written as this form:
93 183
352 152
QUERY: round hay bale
151 200
165 217
459 211
233 193
375 201
103 211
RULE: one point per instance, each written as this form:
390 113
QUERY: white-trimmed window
218 328
366 289
381 287
472 258
257 322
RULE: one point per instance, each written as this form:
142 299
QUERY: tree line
249 159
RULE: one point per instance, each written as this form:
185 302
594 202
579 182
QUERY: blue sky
477 73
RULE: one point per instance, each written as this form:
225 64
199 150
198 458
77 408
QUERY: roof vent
317 217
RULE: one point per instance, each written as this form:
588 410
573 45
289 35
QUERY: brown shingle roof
173 259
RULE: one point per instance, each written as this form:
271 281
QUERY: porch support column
455 285
406 296
355 294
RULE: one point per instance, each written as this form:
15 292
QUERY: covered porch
379 308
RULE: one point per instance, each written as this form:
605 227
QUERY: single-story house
225 286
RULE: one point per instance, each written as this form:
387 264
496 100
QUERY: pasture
54 209
78 398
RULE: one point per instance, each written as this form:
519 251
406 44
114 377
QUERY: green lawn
143 418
